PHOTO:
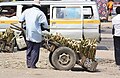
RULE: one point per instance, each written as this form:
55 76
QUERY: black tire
50 58
12 45
64 58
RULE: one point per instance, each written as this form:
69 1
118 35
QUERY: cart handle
16 27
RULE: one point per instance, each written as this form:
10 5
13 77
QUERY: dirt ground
12 65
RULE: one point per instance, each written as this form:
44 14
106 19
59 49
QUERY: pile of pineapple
85 46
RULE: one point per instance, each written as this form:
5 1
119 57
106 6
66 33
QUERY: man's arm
22 19
43 22
113 30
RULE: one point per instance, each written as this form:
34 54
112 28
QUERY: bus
73 19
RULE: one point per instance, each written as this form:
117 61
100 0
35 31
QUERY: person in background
33 18
11 13
116 35
110 6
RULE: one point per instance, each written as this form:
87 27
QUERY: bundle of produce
85 46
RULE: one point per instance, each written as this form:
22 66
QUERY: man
33 18
110 6
116 35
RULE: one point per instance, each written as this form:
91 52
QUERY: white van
73 19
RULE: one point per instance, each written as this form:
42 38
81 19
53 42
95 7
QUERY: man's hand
42 28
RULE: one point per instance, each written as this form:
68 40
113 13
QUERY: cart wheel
12 45
1 46
50 58
64 58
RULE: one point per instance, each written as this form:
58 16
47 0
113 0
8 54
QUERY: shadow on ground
78 69
102 48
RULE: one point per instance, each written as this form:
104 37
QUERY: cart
13 36
64 54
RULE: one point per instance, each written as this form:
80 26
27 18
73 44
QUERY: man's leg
117 49
28 53
35 54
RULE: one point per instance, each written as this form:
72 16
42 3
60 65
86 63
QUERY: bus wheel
63 58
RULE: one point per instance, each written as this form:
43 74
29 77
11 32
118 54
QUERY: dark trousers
117 49
32 53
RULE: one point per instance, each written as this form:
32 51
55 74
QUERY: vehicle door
91 22
66 19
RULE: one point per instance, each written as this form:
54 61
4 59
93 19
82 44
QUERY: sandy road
12 65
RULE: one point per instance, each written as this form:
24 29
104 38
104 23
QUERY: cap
37 2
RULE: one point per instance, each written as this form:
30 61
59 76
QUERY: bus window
8 11
87 12
60 13
46 10
43 8
72 13
26 7
67 13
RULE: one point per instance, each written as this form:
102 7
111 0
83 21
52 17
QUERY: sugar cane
86 46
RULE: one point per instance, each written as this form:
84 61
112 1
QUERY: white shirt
33 18
116 24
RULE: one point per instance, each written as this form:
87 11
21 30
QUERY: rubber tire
59 51
50 58
12 46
